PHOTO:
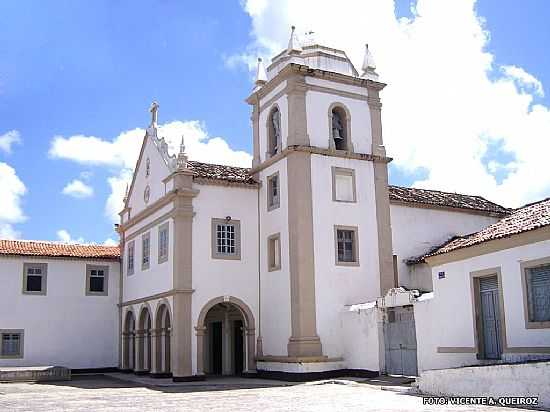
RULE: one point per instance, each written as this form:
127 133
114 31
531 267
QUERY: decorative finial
261 75
369 66
154 113
126 193
293 43
181 161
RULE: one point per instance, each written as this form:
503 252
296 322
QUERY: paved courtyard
107 393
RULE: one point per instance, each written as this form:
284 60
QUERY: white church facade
296 266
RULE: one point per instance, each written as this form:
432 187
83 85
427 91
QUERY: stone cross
154 113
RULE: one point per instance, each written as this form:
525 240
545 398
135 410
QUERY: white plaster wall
443 325
213 278
431 330
159 277
318 127
158 171
337 286
360 339
65 327
529 380
275 285
417 230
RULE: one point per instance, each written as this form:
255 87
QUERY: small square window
346 246
145 251
274 252
34 278
273 191
226 239
12 343
343 185
131 254
97 280
163 243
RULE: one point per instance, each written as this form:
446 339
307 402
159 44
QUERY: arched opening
143 338
339 123
128 342
225 338
162 339
274 132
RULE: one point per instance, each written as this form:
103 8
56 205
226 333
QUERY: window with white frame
273 191
97 280
343 185
130 258
35 278
274 252
346 246
12 343
163 242
226 238
145 251
538 293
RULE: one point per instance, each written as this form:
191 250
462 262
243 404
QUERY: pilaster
297 114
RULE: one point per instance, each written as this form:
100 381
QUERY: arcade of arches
225 339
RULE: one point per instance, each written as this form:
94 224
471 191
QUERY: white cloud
446 99
524 79
65 237
110 242
120 154
8 139
78 189
11 191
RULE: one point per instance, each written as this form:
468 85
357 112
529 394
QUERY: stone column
200 332
138 363
156 352
304 340
385 249
255 119
251 359
124 354
226 345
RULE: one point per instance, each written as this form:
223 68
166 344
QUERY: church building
228 270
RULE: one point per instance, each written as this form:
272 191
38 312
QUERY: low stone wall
506 380
34 374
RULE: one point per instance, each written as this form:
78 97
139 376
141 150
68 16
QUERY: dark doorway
217 348
239 347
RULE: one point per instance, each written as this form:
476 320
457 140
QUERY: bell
337 137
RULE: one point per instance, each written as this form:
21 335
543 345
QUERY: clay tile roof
445 200
52 249
229 174
529 217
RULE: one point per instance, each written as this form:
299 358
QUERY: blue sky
71 68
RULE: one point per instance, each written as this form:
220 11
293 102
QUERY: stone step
34 374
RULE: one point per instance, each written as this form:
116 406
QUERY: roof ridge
531 204
447 193
217 164
61 243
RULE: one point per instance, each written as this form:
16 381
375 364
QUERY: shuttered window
538 293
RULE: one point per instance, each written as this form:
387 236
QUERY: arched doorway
143 337
128 341
162 339
225 338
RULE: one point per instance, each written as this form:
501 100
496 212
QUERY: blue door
490 317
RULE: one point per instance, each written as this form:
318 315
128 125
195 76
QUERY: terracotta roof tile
529 217
445 199
220 172
52 249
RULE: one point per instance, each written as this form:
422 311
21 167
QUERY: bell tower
325 235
